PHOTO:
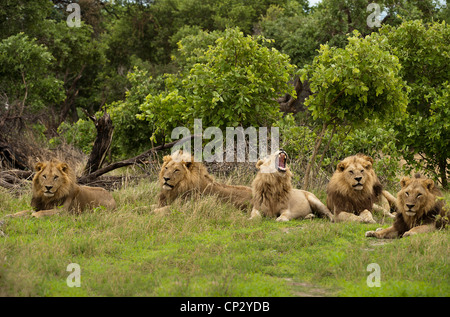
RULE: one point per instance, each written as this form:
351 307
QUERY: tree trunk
313 157
102 143
443 172
137 159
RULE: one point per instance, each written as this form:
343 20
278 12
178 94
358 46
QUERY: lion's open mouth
282 158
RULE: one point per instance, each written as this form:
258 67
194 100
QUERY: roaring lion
54 189
274 196
354 190
181 176
419 210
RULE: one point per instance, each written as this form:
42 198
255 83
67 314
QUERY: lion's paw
409 233
282 218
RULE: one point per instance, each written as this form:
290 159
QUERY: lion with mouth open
420 210
181 176
354 191
274 196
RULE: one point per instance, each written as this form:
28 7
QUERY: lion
419 208
273 195
54 186
181 176
354 190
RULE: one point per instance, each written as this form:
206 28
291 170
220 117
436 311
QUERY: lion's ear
259 163
188 164
368 158
63 167
429 183
167 158
39 166
405 181
341 166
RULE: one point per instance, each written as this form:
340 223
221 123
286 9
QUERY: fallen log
85 179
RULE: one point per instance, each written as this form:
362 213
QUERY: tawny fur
181 176
419 208
274 196
356 202
54 186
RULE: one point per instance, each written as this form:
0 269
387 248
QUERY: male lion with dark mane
54 186
419 210
181 176
354 190
274 196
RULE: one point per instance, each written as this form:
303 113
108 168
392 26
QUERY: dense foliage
158 64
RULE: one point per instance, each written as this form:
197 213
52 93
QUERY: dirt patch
302 289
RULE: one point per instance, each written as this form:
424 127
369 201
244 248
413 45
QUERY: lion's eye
44 176
407 194
55 178
351 172
362 171
177 170
418 195
166 167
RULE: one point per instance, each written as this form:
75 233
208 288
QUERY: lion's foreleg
367 217
19 214
285 215
344 216
389 233
364 217
161 211
50 212
43 213
255 214
420 229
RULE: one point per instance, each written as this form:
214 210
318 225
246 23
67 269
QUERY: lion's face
274 163
356 171
51 178
174 169
416 196
172 173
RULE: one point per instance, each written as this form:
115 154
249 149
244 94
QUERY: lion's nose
358 179
166 178
409 206
48 187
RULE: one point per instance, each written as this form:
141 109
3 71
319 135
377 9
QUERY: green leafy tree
27 84
424 53
354 83
234 83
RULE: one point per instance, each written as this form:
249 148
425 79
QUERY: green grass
207 248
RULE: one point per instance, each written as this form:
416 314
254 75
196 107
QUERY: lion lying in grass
419 210
181 176
54 189
354 190
274 196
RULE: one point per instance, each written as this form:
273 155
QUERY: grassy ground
208 248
